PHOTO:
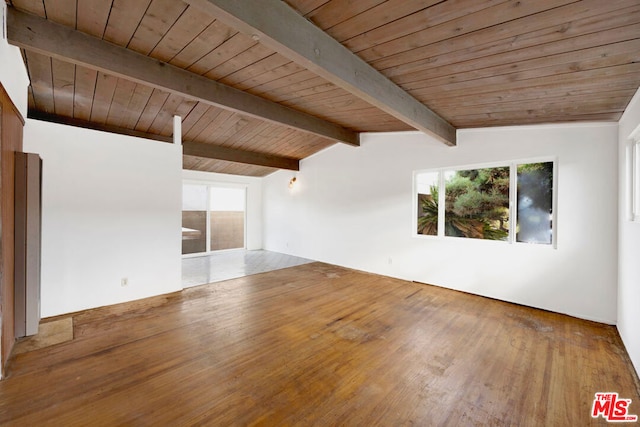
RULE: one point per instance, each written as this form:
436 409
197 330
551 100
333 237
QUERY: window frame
634 175
513 214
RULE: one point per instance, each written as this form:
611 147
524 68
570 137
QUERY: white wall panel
111 210
629 242
353 207
13 73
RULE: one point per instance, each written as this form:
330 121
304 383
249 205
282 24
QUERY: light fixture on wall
292 182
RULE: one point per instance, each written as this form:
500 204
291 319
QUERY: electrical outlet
124 282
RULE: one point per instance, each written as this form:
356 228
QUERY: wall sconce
292 182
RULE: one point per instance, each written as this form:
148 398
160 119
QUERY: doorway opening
213 218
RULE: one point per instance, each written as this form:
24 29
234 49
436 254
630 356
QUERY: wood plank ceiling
475 63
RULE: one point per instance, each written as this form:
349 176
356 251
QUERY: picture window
508 202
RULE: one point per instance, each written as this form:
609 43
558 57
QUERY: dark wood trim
14 109
48 38
52 118
190 148
10 142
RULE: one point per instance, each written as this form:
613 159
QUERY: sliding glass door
213 218
194 219
226 218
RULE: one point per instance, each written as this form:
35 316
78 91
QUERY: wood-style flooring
319 345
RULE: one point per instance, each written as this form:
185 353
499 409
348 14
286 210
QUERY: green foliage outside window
428 216
476 205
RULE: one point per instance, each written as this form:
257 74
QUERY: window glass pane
194 219
477 203
535 203
227 208
427 193
227 199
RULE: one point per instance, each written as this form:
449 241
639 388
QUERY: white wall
13 74
353 207
629 242
254 199
111 209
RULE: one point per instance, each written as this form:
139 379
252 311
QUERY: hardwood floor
319 345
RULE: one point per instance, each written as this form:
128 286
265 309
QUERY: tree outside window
477 203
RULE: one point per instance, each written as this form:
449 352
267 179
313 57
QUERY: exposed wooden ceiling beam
218 152
40 35
282 29
189 148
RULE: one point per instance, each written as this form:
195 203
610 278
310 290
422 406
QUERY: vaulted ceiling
261 84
